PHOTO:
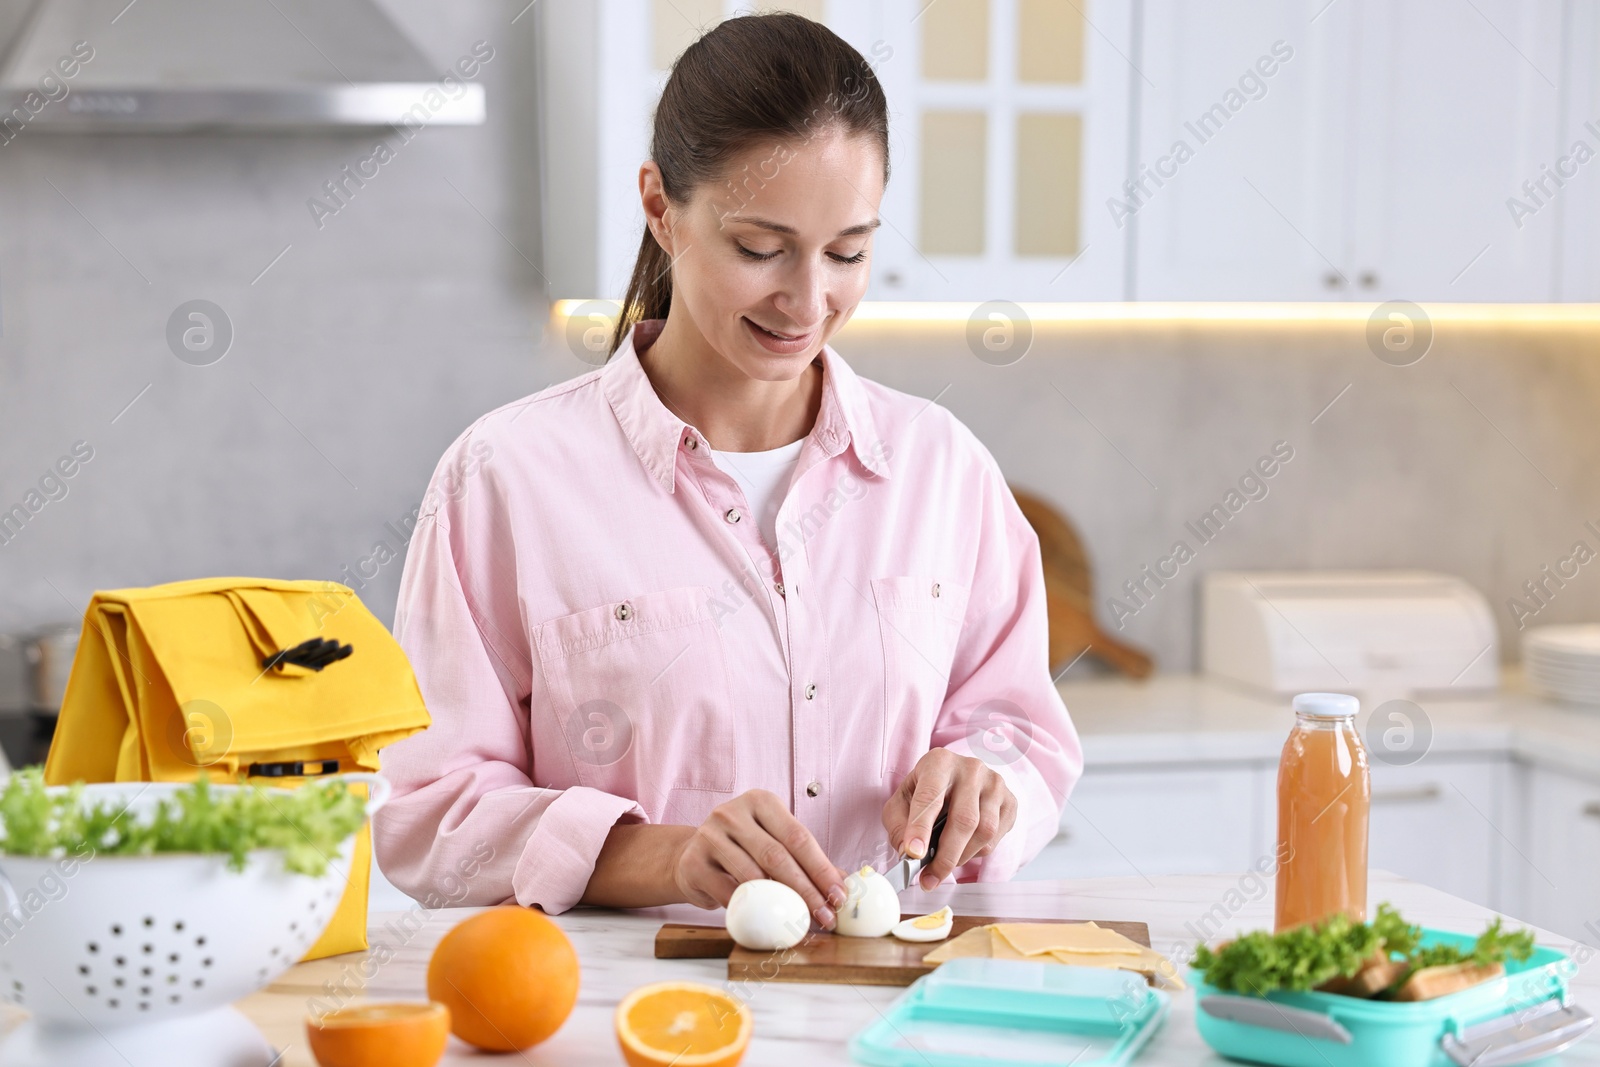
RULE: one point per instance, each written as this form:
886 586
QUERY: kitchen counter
1191 717
811 1024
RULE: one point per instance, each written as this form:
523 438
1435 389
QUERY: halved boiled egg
934 926
871 906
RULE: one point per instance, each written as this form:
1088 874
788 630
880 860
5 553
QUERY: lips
775 333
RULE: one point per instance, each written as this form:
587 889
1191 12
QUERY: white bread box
1389 632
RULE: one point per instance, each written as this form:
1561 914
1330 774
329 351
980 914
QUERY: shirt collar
843 420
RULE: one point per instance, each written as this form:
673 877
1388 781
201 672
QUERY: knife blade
903 874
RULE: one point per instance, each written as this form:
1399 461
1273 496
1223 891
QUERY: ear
657 208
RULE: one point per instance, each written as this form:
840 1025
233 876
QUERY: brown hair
778 76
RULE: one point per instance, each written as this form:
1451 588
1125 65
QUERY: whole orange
380 1035
509 977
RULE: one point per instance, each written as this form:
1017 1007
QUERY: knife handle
933 837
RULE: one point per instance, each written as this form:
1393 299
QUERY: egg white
871 906
906 930
765 915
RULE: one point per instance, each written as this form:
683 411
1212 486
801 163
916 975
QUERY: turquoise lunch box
1522 1017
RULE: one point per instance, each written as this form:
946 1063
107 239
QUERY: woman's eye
750 253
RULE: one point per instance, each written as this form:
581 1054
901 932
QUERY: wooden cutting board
830 958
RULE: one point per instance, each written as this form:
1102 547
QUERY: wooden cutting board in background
1069 594
833 959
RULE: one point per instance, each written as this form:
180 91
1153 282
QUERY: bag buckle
293 769
314 654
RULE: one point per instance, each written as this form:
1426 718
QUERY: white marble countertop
1189 717
811 1024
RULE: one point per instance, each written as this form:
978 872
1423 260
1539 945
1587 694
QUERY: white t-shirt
764 477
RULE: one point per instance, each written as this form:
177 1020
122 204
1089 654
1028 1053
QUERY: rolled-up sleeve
466 824
1001 705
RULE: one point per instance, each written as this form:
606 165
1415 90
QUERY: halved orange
380 1035
684 1024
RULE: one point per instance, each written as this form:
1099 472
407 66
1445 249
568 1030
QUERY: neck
735 413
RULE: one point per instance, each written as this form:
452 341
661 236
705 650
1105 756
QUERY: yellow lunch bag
245 679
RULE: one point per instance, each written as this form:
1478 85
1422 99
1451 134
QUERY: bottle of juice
1324 796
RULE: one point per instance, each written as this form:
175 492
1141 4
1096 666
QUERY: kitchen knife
903 875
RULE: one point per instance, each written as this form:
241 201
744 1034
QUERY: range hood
187 64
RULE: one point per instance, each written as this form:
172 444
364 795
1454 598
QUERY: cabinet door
1155 822
1440 823
1459 107
1576 211
1239 189
1561 870
1009 126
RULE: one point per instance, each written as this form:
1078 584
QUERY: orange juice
1324 795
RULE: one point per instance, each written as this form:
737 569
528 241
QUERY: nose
804 296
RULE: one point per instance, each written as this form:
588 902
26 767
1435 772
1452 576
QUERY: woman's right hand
754 835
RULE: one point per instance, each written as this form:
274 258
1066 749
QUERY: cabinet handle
1333 279
1369 279
1064 834
1592 809
1407 796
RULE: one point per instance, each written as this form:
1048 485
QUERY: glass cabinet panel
1050 41
1049 156
953 155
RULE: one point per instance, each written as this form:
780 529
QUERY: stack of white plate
1564 662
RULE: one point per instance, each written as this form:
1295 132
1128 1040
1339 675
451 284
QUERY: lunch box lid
998 1013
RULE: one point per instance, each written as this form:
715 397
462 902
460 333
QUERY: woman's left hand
981 810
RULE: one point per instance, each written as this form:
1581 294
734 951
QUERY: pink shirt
602 634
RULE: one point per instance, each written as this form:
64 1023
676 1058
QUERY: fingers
802 847
926 788
755 836
963 817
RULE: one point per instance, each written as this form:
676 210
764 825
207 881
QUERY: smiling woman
666 653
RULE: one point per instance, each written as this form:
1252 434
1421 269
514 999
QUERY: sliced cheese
1037 939
975 942
999 947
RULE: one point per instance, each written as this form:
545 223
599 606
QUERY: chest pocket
919 624
642 693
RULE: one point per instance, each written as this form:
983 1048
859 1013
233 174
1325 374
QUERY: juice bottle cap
1327 705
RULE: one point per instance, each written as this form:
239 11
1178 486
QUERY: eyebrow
778 227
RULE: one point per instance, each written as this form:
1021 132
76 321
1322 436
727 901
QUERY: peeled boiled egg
934 926
765 915
871 906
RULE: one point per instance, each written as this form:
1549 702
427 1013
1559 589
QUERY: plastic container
1324 801
1519 1018
1007 1013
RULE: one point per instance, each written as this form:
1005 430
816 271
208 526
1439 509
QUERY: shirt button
778 588
733 515
814 789
624 612
690 443
935 588
811 691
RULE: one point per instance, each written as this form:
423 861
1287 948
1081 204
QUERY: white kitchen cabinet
1010 125
1560 862
1374 162
1576 206
1238 186
1157 821
1440 821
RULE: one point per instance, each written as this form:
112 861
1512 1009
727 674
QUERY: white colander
134 960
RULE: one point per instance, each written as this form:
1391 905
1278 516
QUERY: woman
721 610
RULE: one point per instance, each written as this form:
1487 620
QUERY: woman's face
782 245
